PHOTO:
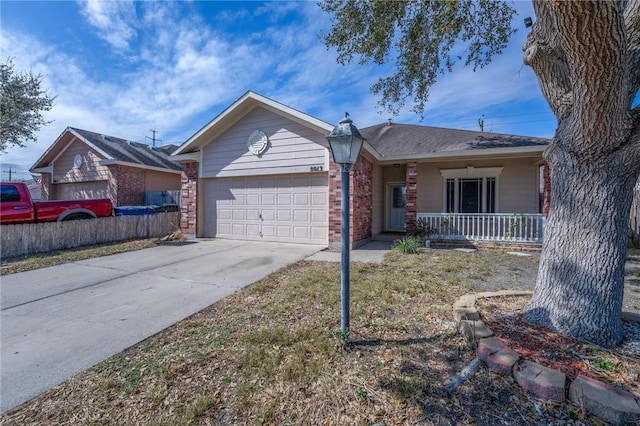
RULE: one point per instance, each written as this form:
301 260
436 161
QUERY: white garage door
287 208
81 190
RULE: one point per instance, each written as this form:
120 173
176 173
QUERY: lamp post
346 142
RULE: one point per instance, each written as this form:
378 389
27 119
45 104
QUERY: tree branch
543 53
593 37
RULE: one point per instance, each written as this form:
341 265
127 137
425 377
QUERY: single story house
262 170
81 164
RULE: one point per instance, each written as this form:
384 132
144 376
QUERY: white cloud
112 19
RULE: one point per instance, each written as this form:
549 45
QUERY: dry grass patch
13 265
271 354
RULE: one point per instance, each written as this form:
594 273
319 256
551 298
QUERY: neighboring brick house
81 164
262 171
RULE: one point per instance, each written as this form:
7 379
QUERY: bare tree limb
593 36
543 53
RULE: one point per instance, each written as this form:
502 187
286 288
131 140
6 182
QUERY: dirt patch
514 272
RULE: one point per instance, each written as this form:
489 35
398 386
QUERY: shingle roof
130 152
408 139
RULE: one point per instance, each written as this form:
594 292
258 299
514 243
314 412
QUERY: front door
397 207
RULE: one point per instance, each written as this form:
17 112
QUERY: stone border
603 400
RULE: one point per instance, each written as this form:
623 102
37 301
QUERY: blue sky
123 68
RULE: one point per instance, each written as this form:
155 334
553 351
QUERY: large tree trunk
586 55
580 281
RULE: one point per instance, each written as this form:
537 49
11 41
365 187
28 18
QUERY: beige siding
377 202
517 184
64 170
395 174
519 187
161 181
293 148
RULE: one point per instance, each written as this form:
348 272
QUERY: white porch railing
508 227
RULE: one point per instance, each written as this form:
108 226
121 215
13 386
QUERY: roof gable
114 149
237 111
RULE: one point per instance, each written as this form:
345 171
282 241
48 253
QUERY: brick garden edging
608 402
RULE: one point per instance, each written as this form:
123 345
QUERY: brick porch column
412 198
546 191
335 188
361 199
189 198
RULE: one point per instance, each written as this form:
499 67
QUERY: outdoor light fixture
346 142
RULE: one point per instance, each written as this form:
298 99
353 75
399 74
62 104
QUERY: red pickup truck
16 206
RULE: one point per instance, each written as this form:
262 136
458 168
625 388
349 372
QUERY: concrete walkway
59 321
372 252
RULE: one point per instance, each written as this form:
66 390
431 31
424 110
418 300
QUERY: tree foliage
22 104
586 56
426 39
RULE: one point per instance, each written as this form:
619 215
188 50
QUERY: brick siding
361 197
130 185
189 198
412 198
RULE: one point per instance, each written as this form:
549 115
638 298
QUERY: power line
153 139
10 171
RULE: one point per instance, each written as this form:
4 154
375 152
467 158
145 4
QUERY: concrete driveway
59 321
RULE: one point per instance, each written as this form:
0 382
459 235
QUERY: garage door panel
301 215
268 215
284 199
238 229
318 216
318 232
276 208
268 231
319 199
81 190
253 215
284 215
301 232
268 199
301 199
284 231
253 199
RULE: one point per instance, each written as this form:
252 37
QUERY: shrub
408 245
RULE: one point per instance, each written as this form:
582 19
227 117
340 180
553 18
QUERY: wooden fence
18 240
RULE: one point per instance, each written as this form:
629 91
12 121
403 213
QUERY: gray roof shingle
409 139
130 152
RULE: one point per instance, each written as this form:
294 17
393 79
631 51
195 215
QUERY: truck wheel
77 216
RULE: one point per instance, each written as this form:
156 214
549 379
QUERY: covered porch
498 200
